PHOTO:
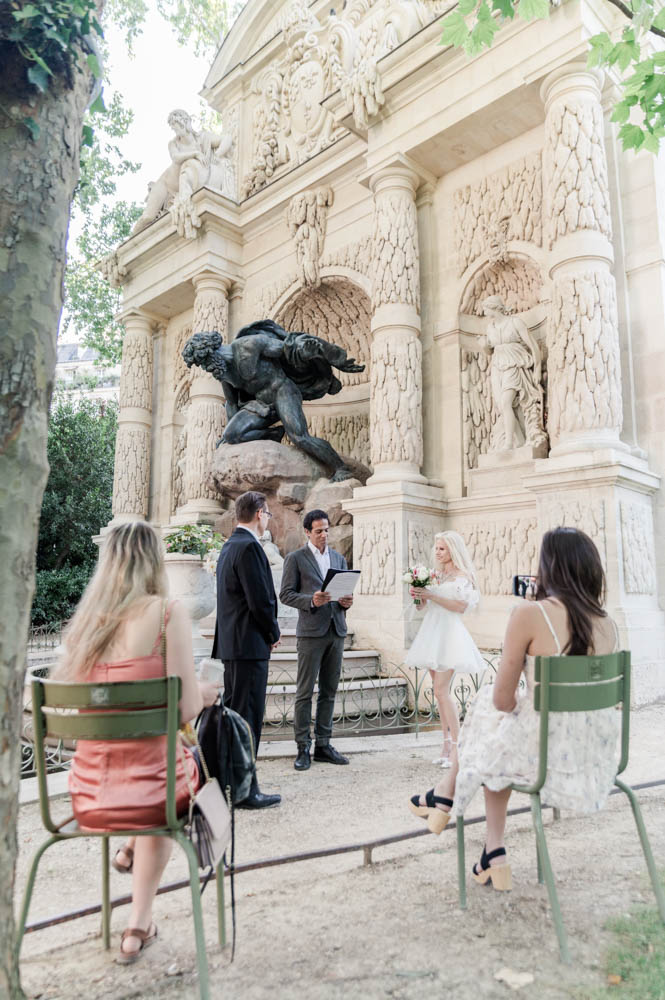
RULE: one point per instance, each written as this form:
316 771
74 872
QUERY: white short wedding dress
443 641
497 749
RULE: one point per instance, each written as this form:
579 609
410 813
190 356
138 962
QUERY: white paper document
342 584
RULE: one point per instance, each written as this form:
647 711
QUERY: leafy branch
641 109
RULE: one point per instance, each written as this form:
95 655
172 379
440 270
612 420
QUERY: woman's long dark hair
570 569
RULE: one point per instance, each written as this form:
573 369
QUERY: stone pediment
317 52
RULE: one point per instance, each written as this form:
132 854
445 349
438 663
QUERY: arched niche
339 311
517 278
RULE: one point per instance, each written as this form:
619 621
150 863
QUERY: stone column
396 426
584 375
131 476
206 414
397 507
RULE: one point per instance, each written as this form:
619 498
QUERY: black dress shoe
303 761
257 800
328 755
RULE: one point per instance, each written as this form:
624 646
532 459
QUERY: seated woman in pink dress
115 635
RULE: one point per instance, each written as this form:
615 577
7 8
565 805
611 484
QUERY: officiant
320 634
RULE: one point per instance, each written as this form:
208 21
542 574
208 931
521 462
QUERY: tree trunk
37 181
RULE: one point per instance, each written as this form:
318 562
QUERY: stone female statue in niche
515 376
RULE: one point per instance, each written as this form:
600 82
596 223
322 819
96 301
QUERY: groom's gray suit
320 641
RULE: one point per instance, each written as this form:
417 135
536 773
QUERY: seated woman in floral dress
499 741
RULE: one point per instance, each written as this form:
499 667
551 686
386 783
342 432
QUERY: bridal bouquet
418 576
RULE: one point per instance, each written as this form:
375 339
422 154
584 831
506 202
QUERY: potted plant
190 549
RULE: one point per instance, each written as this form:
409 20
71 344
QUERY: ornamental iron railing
369 701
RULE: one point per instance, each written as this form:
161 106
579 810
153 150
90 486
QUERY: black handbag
228 746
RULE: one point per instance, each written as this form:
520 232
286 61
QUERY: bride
443 644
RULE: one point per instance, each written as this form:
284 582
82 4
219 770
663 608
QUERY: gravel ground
330 928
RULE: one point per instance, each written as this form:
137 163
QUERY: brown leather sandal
146 939
124 869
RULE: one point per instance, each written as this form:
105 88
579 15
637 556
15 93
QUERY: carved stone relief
584 364
395 272
505 206
182 375
500 549
395 401
178 470
136 380
355 256
577 510
347 433
479 413
638 547
211 313
205 425
338 52
112 270
131 471
337 311
420 541
306 217
575 170
517 280
374 555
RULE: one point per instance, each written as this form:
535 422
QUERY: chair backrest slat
581 669
106 725
581 697
116 694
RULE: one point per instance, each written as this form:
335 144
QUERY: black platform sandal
499 876
436 818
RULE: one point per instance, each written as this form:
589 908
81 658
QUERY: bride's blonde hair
458 553
130 570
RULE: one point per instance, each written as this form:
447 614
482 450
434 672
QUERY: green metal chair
574 684
117 711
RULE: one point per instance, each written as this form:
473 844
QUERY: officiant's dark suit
247 624
320 636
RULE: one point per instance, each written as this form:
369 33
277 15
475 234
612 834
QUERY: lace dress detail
497 749
443 642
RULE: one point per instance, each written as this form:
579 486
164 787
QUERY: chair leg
541 878
544 858
27 895
106 896
221 915
197 913
461 862
646 847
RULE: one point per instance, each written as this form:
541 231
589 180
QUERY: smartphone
524 585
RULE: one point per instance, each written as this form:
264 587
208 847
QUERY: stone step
288 640
385 696
357 664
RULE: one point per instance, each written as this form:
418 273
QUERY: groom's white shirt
322 559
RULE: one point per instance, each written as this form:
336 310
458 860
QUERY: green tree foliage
77 503
641 110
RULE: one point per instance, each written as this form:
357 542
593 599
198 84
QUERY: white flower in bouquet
407 577
422 574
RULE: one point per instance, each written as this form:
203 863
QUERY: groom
247 628
320 636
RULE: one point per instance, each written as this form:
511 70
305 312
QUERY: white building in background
77 374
